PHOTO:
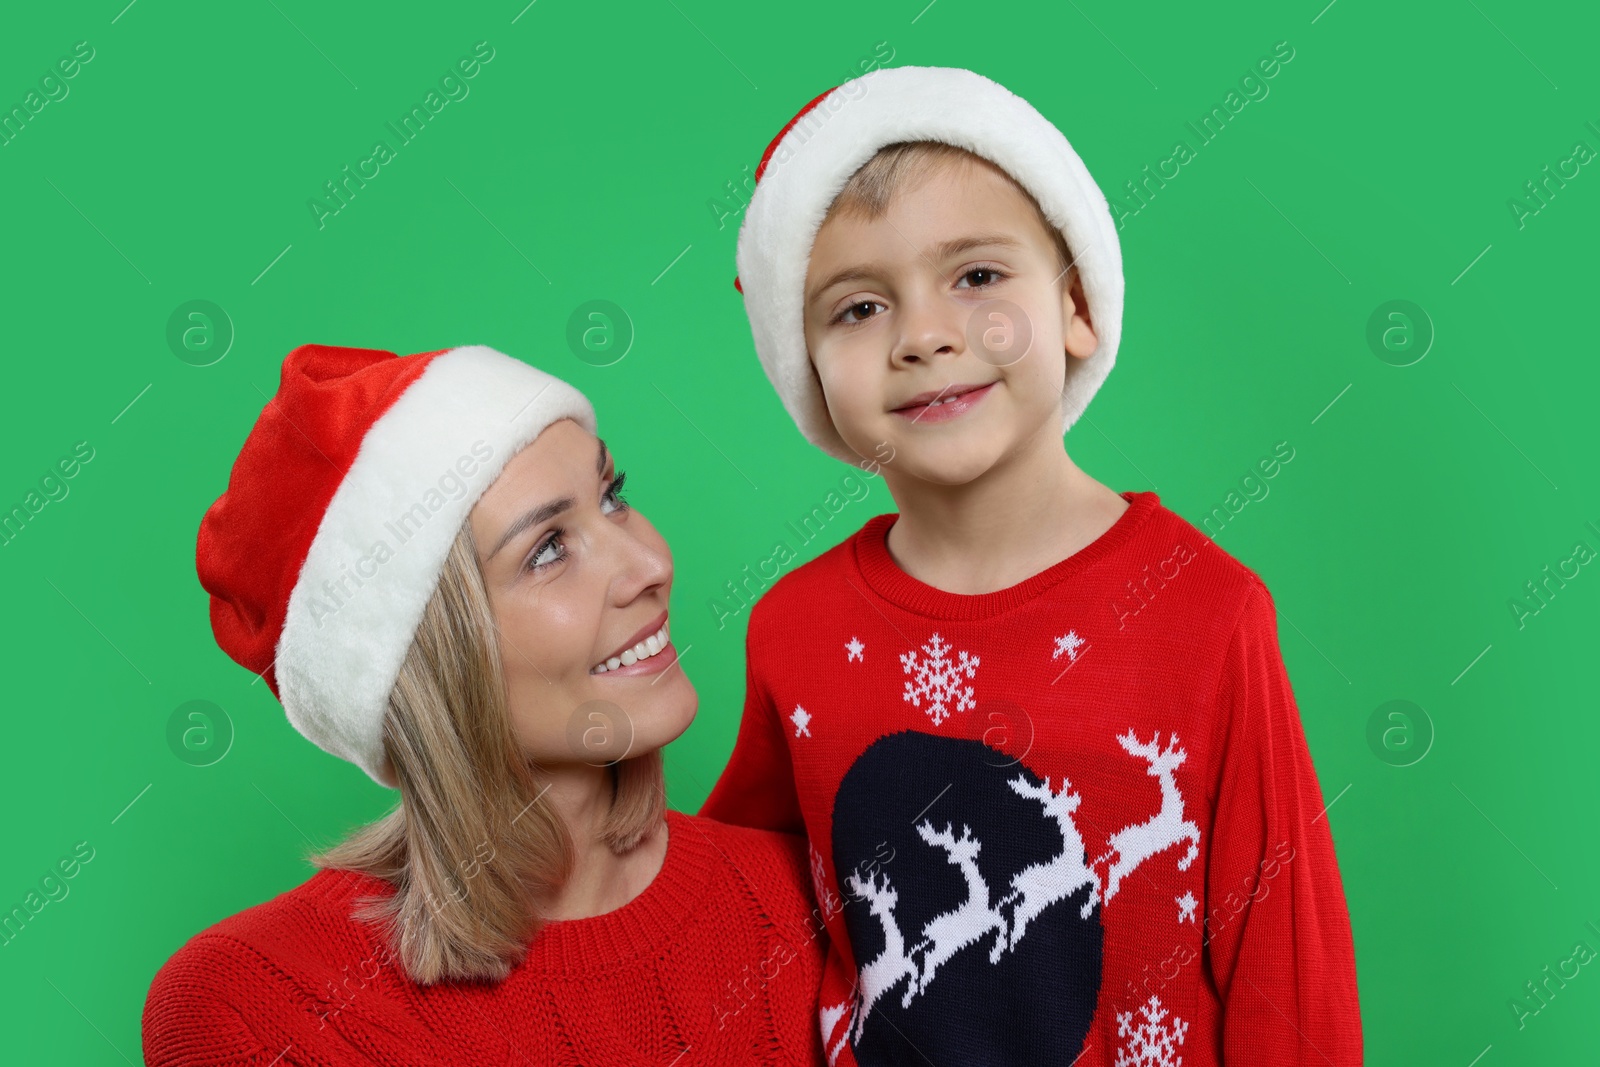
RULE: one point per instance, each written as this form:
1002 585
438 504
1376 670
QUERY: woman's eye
847 315
550 552
613 495
990 274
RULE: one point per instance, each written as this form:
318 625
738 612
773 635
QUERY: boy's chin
950 463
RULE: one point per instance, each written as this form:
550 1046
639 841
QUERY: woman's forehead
562 456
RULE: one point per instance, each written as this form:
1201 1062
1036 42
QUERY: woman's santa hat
340 510
812 158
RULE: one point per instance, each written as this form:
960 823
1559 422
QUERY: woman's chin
628 717
665 719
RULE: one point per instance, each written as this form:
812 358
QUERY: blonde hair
905 163
471 848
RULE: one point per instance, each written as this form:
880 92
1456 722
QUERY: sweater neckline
618 937
884 576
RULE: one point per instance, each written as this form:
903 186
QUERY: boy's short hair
896 166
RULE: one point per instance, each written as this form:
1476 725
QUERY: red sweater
1071 821
717 962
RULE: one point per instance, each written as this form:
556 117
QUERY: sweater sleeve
1278 940
757 786
190 1018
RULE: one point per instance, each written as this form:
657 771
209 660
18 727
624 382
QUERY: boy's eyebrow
943 250
958 245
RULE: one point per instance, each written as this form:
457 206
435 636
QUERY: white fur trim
846 128
341 649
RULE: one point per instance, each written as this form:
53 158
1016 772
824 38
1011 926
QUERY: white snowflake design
828 901
801 719
1069 643
854 651
1150 1043
937 680
1186 905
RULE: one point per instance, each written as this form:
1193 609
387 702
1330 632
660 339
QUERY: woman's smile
643 656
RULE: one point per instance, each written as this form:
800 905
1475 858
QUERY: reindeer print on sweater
992 885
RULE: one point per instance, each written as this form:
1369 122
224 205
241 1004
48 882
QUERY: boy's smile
903 313
944 404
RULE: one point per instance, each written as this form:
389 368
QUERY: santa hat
340 510
812 158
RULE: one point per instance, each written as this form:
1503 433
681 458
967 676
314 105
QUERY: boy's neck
1021 517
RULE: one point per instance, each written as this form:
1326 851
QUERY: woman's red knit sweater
716 962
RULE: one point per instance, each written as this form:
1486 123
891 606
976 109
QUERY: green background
582 166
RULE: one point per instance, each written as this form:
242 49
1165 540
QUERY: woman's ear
1080 336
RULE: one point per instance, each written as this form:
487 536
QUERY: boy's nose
929 329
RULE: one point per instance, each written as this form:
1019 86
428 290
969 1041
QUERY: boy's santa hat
816 153
340 511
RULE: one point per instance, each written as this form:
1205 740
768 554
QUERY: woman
430 561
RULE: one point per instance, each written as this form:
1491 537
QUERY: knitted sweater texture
717 961
1073 821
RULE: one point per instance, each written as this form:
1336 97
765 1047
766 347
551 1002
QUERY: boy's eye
847 316
989 276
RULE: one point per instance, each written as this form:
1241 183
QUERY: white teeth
650 646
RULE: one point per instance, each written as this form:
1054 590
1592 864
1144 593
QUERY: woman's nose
641 560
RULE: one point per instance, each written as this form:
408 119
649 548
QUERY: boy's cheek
832 379
851 403
853 393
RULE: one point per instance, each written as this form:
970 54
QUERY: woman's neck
601 880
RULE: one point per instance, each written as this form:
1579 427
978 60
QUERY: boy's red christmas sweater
1074 821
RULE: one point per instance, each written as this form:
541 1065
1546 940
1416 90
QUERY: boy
1039 733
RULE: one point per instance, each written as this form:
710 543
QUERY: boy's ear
1080 336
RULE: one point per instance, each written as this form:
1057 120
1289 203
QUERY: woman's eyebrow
546 512
532 517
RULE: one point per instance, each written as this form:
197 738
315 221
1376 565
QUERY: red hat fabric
327 544
818 150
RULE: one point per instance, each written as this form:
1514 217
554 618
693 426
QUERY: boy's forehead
951 210
962 176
